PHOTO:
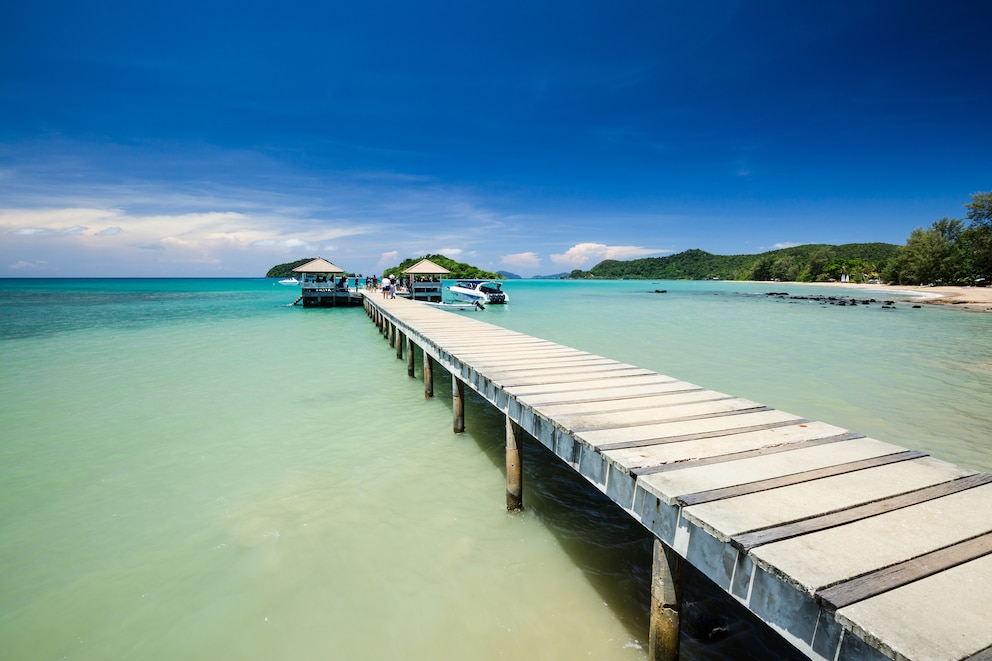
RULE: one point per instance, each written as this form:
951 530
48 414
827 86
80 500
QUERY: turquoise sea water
193 469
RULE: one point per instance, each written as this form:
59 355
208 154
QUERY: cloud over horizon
582 254
522 260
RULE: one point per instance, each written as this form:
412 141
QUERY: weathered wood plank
595 391
559 389
672 486
562 410
808 500
718 408
679 453
944 616
983 655
511 381
828 557
603 440
750 540
745 454
690 499
883 580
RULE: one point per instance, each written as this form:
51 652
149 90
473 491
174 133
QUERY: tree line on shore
950 252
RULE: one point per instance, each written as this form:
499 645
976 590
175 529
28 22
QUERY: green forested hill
805 263
459 270
286 270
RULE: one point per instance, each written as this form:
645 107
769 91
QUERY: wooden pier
849 547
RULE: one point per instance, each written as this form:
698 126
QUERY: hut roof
319 265
426 267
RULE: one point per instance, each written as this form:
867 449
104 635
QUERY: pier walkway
847 546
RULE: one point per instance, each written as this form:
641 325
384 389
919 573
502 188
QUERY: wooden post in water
428 376
392 335
399 345
458 404
514 467
409 357
666 603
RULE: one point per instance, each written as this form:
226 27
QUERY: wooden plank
914 569
597 383
619 445
829 557
550 374
599 392
697 498
807 500
691 450
983 655
737 456
551 380
679 413
750 540
563 413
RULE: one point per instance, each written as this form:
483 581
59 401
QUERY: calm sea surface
193 469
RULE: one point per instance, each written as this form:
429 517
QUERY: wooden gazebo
319 287
425 280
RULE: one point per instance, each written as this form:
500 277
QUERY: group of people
390 284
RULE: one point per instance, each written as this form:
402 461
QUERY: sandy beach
969 298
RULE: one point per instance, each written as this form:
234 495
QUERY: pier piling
514 467
428 376
666 603
458 404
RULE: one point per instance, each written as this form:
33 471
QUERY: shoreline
978 299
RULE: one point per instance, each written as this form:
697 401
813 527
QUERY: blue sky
220 138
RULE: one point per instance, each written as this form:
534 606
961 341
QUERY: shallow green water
192 469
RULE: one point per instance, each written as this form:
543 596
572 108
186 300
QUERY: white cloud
521 260
109 231
32 231
283 243
389 258
582 254
785 244
451 253
22 265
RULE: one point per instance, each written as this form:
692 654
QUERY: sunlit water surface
192 469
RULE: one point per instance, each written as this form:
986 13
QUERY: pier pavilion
323 285
425 281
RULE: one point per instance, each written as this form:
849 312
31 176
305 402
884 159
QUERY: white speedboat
289 281
486 291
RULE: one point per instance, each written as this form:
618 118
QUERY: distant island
808 263
859 262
